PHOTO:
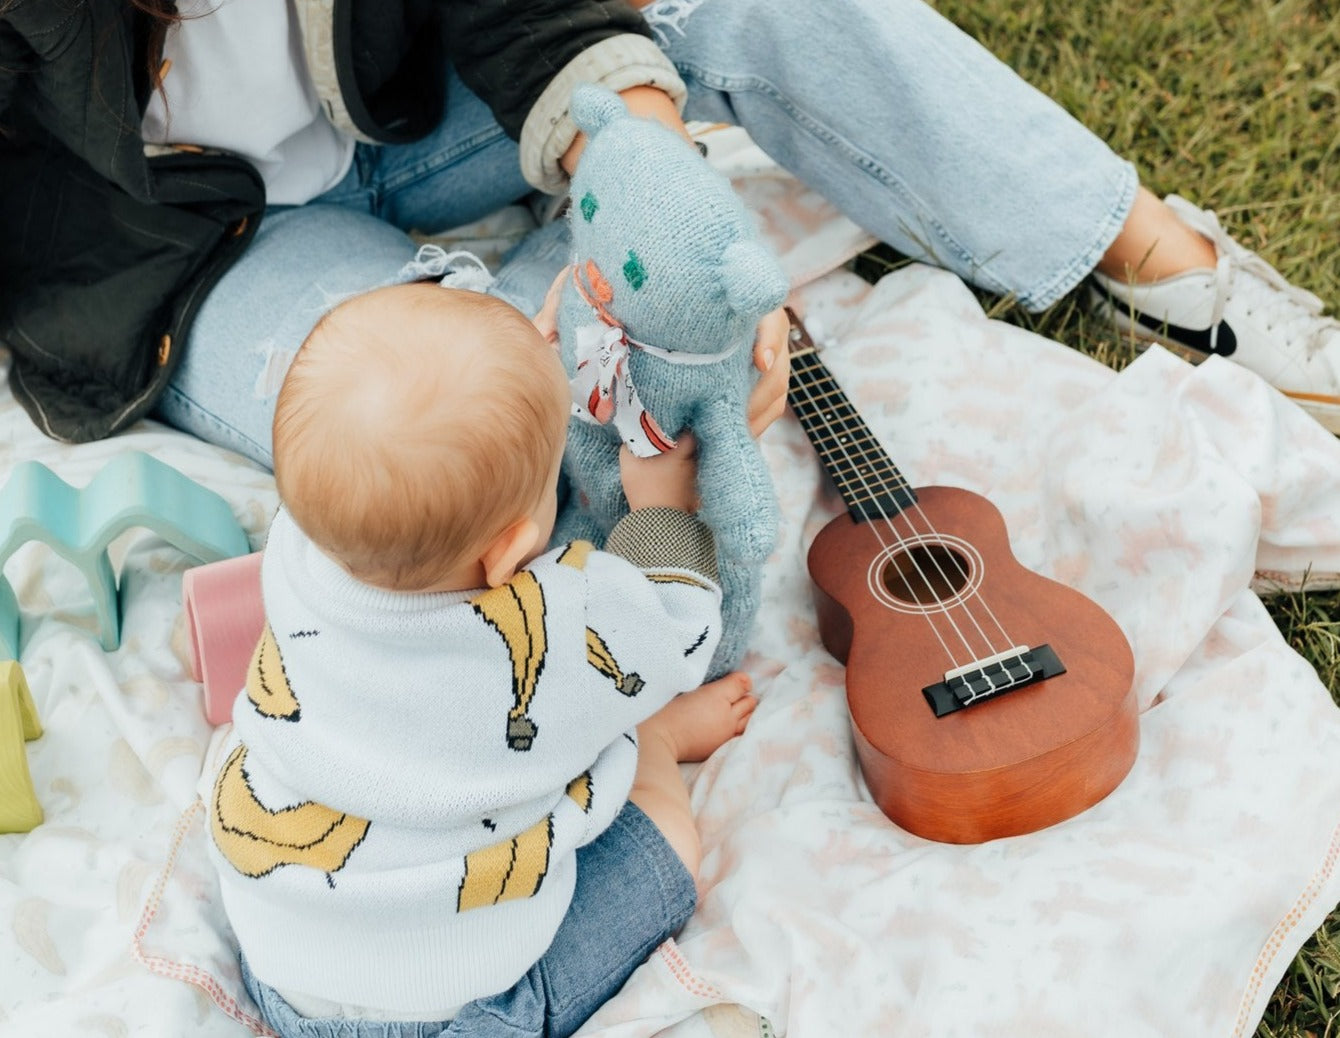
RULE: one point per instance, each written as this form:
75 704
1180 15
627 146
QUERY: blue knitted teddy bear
656 327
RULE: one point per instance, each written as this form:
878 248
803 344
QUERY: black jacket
108 249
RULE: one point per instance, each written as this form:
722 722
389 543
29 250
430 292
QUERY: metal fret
861 469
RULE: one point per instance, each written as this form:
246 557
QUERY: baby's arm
653 609
547 319
653 595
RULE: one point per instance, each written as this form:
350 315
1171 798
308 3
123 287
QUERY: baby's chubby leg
688 728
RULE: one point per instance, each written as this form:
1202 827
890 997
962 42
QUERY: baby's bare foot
696 723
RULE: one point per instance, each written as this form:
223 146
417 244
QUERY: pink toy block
224 619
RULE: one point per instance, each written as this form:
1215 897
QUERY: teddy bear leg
741 586
591 463
738 500
573 521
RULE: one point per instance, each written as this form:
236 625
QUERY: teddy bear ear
755 284
595 106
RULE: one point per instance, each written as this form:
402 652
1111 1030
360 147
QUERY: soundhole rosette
925 574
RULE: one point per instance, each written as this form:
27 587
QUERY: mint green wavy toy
131 490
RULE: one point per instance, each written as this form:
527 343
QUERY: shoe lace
1293 311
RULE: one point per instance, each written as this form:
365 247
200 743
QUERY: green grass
1234 104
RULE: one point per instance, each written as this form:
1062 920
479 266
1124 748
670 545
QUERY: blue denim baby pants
632 893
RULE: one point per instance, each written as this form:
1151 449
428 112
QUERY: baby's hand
668 480
547 319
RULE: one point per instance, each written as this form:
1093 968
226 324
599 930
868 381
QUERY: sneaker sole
1325 409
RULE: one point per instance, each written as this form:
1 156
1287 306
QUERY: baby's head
418 433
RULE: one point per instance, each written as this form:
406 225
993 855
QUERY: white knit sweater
395 818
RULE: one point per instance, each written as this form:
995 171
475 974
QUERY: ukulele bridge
991 677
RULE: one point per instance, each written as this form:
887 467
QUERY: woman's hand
767 400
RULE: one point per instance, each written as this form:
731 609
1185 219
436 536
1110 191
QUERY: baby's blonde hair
415 424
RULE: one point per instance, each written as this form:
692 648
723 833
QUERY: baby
433 805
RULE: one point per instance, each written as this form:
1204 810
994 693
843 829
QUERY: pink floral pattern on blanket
1172 907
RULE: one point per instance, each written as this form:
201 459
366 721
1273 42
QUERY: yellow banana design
579 791
575 554
677 578
256 840
599 656
267 683
515 868
507 870
516 611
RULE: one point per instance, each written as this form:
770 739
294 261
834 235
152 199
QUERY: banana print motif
516 611
599 656
256 840
579 791
678 578
507 870
575 554
515 868
267 682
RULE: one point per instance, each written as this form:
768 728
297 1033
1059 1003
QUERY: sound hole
925 574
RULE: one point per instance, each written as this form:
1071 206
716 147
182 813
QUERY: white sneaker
1242 309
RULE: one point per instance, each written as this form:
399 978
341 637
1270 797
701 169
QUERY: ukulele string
914 511
873 526
1010 642
866 457
874 451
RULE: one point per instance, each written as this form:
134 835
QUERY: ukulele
986 700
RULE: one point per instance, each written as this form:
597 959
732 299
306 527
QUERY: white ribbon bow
603 390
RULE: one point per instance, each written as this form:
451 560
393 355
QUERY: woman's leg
1155 244
928 141
304 259
910 126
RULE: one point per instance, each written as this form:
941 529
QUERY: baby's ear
508 551
755 284
595 106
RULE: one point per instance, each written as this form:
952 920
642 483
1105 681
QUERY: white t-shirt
238 81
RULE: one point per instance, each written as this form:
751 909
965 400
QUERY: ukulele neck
865 475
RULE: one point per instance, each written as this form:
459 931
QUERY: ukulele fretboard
861 468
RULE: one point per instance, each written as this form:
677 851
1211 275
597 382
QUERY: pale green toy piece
19 809
131 490
9 622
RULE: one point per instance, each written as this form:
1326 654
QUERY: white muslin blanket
1172 907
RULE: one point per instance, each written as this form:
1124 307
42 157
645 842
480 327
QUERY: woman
186 189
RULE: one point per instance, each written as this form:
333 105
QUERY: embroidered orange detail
600 288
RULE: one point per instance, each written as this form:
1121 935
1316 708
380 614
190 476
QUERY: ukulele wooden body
903 599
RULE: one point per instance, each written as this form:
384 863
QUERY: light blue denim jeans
918 133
